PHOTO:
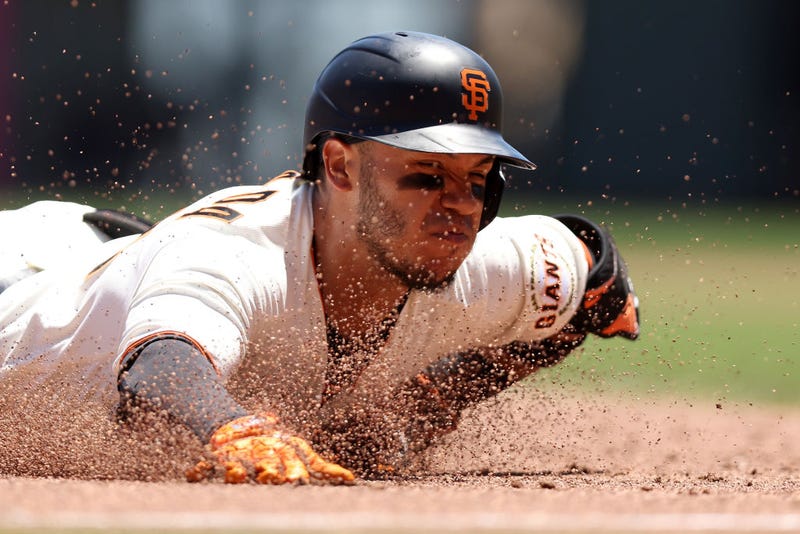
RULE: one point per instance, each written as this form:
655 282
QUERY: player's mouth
452 235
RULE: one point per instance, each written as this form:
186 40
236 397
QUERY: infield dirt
550 461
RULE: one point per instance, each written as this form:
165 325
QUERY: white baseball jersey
234 274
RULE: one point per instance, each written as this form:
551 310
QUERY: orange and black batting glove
610 306
252 448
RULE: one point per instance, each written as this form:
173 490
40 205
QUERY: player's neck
357 294
356 297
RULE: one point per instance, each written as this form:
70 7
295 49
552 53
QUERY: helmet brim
456 138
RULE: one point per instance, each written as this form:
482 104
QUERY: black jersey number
221 210
218 210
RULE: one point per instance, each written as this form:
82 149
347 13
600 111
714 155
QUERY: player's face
419 212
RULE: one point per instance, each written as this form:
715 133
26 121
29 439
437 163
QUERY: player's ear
335 157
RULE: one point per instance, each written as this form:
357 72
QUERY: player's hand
253 448
610 306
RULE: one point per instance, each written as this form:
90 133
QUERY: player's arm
438 395
429 404
172 376
609 307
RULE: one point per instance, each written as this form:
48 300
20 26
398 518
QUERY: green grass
719 291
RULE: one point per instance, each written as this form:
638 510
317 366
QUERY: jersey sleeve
534 273
201 287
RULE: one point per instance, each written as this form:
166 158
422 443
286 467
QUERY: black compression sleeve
170 374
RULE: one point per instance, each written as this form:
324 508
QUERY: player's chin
435 275
430 283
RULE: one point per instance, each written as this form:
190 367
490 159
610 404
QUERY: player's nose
461 197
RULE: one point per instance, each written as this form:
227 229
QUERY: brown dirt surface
529 460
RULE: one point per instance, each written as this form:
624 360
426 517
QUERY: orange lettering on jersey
476 98
546 321
219 210
552 285
552 276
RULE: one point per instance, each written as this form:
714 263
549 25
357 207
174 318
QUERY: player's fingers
199 472
268 470
318 467
276 459
294 468
263 452
235 473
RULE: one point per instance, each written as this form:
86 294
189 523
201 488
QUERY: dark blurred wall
78 115
119 96
670 99
682 99
7 96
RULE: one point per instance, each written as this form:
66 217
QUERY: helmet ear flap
495 183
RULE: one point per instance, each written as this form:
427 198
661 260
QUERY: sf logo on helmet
476 98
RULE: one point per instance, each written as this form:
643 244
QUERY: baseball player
326 323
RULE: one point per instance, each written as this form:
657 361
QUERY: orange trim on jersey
169 334
107 262
102 266
588 254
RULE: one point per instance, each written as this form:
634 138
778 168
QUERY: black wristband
608 285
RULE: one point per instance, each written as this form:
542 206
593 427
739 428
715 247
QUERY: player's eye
478 190
421 180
